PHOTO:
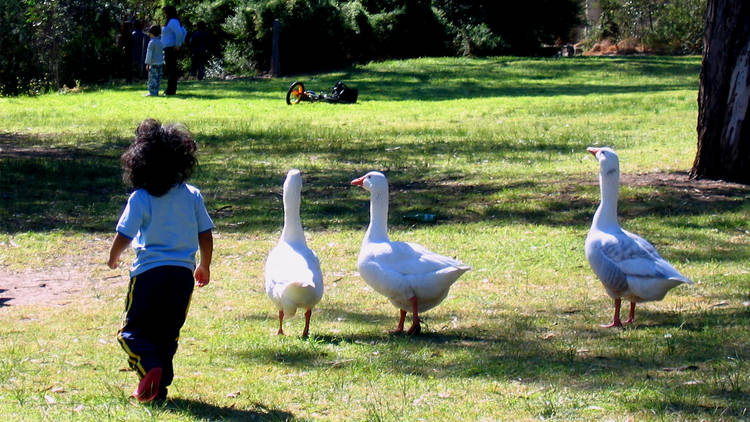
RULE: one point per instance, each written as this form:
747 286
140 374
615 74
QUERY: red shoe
148 388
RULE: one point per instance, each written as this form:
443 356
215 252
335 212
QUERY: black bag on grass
344 94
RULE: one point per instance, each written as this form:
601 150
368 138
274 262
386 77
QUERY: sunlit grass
494 147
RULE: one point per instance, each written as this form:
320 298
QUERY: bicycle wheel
295 93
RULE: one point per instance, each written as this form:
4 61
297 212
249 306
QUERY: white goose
627 265
409 275
293 276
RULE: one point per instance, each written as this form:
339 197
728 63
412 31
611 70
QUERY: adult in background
172 37
140 45
125 47
200 40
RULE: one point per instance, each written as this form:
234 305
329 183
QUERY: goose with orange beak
628 266
410 276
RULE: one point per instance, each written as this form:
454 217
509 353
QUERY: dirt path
54 286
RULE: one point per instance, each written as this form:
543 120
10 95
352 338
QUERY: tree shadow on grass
80 189
467 78
470 78
209 412
58 188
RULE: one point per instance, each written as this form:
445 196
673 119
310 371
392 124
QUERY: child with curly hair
166 222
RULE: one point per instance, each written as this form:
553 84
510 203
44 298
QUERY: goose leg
305 332
416 327
616 321
281 322
631 315
401 319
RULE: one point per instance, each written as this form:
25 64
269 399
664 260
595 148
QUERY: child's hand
113 263
202 275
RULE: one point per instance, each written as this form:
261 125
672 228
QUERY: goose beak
592 150
359 181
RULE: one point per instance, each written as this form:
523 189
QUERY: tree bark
723 112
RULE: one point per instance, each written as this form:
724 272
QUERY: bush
83 41
412 30
51 43
313 34
20 69
664 26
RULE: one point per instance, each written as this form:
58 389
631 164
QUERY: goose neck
292 231
378 228
609 188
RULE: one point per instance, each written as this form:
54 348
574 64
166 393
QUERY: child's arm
206 245
119 244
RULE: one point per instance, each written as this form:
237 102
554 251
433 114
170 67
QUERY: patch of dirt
705 190
58 286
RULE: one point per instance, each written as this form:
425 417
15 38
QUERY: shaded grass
495 147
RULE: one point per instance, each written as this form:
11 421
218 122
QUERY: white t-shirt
164 229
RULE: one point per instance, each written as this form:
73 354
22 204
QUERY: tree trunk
723 118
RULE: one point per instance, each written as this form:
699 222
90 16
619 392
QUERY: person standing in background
199 43
172 37
154 60
125 45
140 44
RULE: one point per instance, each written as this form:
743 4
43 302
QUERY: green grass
495 147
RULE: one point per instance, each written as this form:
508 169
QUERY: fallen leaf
50 399
233 395
720 304
57 389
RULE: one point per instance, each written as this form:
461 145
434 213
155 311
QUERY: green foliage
20 69
664 26
411 30
63 41
51 43
492 27
312 36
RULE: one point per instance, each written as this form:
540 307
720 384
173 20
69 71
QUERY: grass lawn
496 148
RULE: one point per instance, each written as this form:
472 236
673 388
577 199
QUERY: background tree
20 71
723 118
663 26
48 43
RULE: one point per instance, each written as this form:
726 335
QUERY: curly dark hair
159 157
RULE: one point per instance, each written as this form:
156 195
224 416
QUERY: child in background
166 222
154 60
